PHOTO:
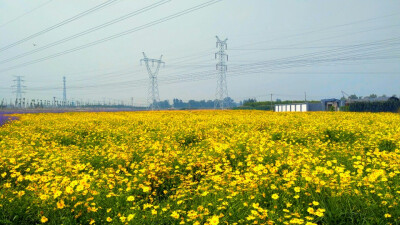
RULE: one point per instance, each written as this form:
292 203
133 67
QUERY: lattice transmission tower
19 102
64 91
153 96
18 87
222 89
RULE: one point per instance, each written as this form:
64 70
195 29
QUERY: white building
302 107
325 105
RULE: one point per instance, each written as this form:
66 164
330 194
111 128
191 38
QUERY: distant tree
373 96
250 100
209 104
229 102
278 100
383 96
193 104
353 96
164 104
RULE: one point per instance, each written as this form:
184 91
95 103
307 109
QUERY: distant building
325 105
331 104
299 107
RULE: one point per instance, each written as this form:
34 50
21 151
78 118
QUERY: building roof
330 100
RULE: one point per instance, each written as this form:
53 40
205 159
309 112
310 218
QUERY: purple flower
4 119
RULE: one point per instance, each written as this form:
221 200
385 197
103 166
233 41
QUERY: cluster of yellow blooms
200 167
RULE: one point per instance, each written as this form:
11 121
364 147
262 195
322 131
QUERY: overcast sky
281 47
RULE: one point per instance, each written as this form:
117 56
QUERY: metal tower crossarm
153 93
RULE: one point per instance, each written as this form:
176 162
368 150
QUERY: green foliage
276 136
261 107
339 136
344 108
387 145
388 106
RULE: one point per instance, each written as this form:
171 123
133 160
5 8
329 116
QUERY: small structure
299 107
331 104
325 105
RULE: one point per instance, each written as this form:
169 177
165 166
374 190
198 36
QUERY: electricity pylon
222 89
153 95
18 85
64 92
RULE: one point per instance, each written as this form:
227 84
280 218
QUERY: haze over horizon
281 47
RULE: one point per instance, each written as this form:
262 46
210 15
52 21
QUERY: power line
194 56
119 19
326 28
164 19
24 14
82 14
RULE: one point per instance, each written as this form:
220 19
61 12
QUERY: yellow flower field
200 167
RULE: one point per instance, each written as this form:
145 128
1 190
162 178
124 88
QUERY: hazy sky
274 46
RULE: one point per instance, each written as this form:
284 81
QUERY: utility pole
271 103
153 94
18 85
64 91
222 89
305 96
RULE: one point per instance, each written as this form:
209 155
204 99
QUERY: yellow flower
44 197
387 215
21 193
109 219
130 199
44 219
275 196
122 218
251 217
69 190
204 193
310 223
92 221
175 215
57 194
153 212
214 220
60 204
79 188
130 217
297 189
147 205
320 212
146 188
